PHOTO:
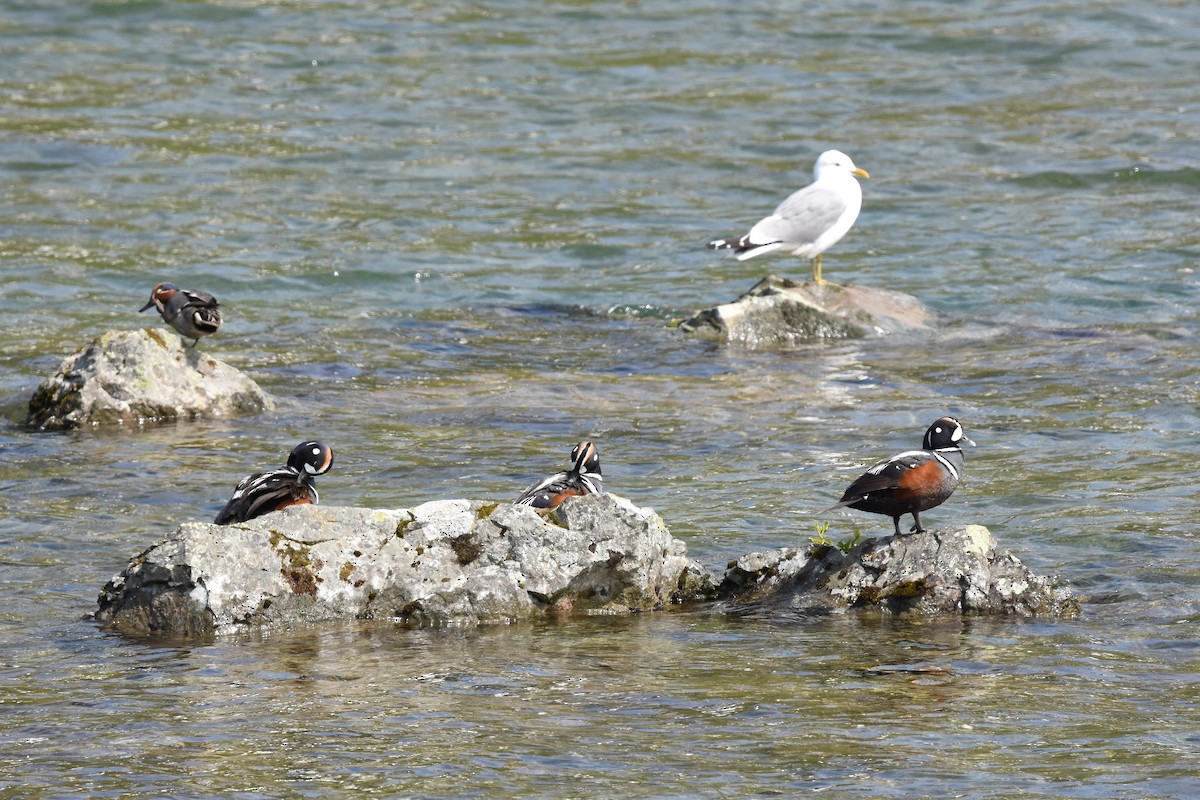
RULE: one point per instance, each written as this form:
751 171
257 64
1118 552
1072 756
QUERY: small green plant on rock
845 545
821 539
850 542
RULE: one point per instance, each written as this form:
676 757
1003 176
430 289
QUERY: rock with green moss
934 573
777 311
441 563
139 377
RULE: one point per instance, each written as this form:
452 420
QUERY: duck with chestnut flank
912 481
582 478
193 314
289 485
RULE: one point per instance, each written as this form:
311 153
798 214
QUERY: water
449 237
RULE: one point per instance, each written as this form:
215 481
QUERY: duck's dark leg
896 520
916 528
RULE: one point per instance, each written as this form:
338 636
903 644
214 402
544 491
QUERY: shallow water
448 238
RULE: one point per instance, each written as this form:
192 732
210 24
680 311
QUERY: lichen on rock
958 571
463 562
441 563
139 377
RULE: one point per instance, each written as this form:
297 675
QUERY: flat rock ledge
462 562
139 377
449 562
935 573
778 311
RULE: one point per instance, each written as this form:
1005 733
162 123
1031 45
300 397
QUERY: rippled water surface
449 238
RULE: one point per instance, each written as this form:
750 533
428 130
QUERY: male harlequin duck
913 481
193 314
292 485
582 478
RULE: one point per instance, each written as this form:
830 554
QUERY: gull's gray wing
801 218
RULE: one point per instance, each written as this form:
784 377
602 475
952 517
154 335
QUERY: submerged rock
135 377
441 563
937 572
777 311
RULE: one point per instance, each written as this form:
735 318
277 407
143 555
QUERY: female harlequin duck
292 485
913 481
193 314
582 478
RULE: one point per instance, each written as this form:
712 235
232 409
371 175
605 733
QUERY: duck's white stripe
945 462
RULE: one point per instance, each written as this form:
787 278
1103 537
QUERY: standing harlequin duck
193 314
292 485
582 478
913 481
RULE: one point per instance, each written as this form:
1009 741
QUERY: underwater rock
937 572
136 377
441 563
777 311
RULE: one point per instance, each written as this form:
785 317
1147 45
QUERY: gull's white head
832 162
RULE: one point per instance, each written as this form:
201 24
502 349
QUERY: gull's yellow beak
862 173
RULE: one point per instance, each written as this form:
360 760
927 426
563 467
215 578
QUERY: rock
442 563
956 571
135 377
460 562
778 311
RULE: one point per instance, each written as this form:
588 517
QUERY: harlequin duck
193 314
913 481
291 485
582 478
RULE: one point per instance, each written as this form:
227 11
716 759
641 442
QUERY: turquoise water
449 238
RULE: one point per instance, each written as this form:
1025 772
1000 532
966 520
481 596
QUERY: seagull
811 220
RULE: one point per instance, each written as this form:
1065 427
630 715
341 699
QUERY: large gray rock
441 563
777 311
136 377
955 571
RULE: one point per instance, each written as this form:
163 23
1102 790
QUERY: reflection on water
449 240
661 704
